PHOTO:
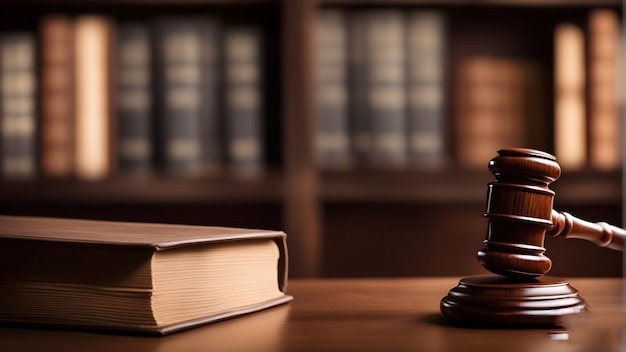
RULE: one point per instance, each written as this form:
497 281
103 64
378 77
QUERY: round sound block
497 300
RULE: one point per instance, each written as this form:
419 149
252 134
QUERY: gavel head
519 208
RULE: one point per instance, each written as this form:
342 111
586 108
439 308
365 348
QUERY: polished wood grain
600 233
494 300
360 315
520 212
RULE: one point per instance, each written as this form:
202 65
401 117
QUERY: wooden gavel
520 213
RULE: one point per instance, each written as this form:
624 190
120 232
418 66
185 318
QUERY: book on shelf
178 94
93 38
426 59
386 94
142 278
56 98
492 94
18 106
358 110
243 99
134 98
379 88
188 55
605 130
570 122
332 134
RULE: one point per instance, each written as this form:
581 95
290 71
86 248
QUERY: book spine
57 105
18 106
604 109
386 93
211 126
188 77
489 108
570 125
244 100
134 98
536 89
425 88
358 111
331 96
92 43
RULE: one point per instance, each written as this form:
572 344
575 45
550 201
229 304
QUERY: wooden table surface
360 315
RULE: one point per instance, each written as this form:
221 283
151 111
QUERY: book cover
188 131
134 98
332 142
93 36
244 99
57 96
426 37
18 106
141 278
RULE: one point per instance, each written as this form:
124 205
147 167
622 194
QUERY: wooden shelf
404 186
589 188
73 3
437 187
457 186
145 190
438 3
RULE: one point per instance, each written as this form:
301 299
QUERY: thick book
57 96
141 278
18 106
134 98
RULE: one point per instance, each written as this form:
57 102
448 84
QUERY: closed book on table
141 278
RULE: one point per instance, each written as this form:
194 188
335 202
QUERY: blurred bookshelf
289 90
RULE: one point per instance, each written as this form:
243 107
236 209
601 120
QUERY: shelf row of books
382 99
588 73
379 80
86 96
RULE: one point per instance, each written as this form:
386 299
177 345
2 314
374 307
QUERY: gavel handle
600 233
